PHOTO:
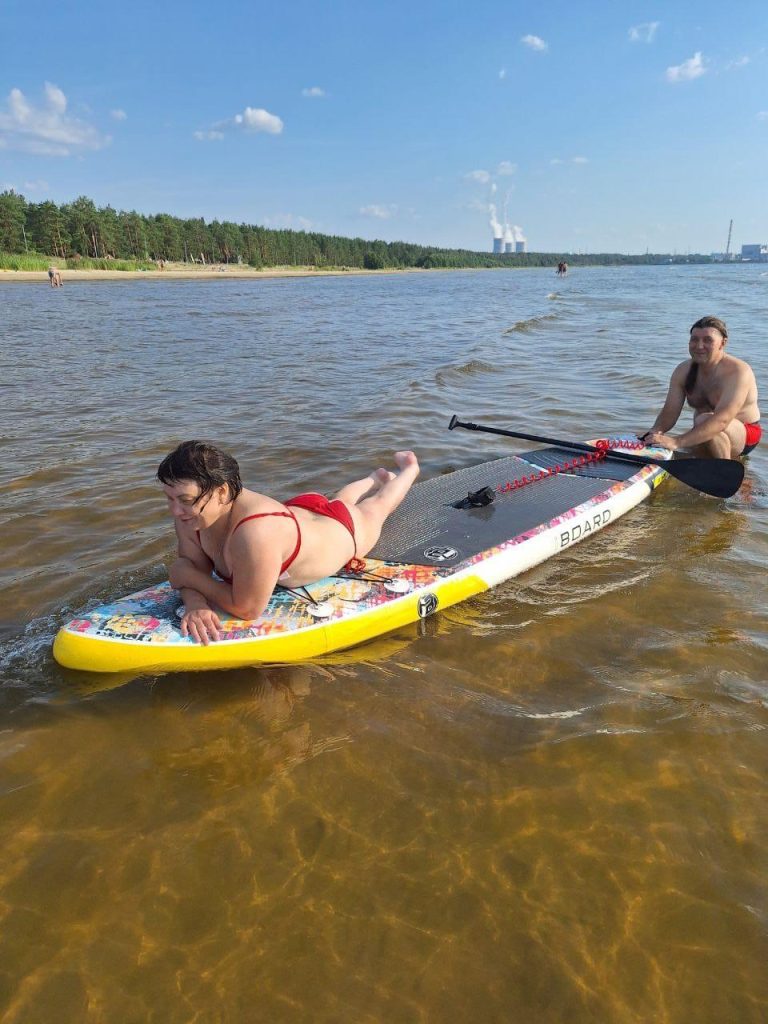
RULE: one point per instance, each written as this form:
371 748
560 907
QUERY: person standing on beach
721 390
54 276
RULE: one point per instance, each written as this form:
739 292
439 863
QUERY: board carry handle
719 477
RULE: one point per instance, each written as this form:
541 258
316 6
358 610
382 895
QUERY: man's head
707 341
713 322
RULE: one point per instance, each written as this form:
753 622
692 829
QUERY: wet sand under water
545 804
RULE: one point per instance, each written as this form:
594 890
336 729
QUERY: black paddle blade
719 477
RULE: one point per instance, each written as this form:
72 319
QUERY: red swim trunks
754 433
321 505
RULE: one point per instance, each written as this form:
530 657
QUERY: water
547 804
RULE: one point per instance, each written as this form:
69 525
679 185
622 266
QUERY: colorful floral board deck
436 550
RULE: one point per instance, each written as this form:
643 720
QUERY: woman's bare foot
405 460
382 476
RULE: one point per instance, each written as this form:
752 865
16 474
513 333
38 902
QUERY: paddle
718 477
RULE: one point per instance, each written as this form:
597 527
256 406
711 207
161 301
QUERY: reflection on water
545 804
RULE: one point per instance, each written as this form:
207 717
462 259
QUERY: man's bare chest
705 395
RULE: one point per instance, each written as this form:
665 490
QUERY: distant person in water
54 277
562 268
722 392
254 542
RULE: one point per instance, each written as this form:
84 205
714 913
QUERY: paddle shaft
719 477
610 453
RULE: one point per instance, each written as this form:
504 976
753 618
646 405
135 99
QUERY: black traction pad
427 530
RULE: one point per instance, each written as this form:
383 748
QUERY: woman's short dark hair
204 464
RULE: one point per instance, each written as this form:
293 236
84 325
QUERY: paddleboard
431 554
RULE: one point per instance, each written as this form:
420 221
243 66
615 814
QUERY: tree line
81 230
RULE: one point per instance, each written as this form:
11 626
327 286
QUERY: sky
581 127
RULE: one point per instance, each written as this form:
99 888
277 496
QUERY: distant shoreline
210 273
223 272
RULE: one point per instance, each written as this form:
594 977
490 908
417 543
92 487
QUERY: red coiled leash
604 446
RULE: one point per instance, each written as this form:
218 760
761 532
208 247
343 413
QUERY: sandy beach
184 271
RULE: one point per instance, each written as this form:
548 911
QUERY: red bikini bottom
754 433
322 506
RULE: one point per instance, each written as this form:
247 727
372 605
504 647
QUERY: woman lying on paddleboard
254 542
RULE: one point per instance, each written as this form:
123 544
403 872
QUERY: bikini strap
263 515
288 515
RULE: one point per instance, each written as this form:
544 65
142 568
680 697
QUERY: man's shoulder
681 370
737 367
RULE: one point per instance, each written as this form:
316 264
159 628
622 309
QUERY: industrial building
756 253
512 241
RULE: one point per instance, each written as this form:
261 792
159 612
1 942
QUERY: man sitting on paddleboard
722 392
254 542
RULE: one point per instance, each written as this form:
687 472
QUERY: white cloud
503 74
252 119
505 168
556 160
314 92
535 43
740 62
644 33
256 119
481 177
762 115
118 115
288 220
47 129
579 160
36 186
688 70
379 211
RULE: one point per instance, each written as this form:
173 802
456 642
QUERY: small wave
620 731
25 659
469 369
553 714
524 326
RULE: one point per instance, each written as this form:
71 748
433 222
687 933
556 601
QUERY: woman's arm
255 561
199 620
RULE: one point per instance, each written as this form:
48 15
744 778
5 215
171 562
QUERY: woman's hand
199 621
202 624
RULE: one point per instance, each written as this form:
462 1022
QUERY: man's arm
673 404
735 393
